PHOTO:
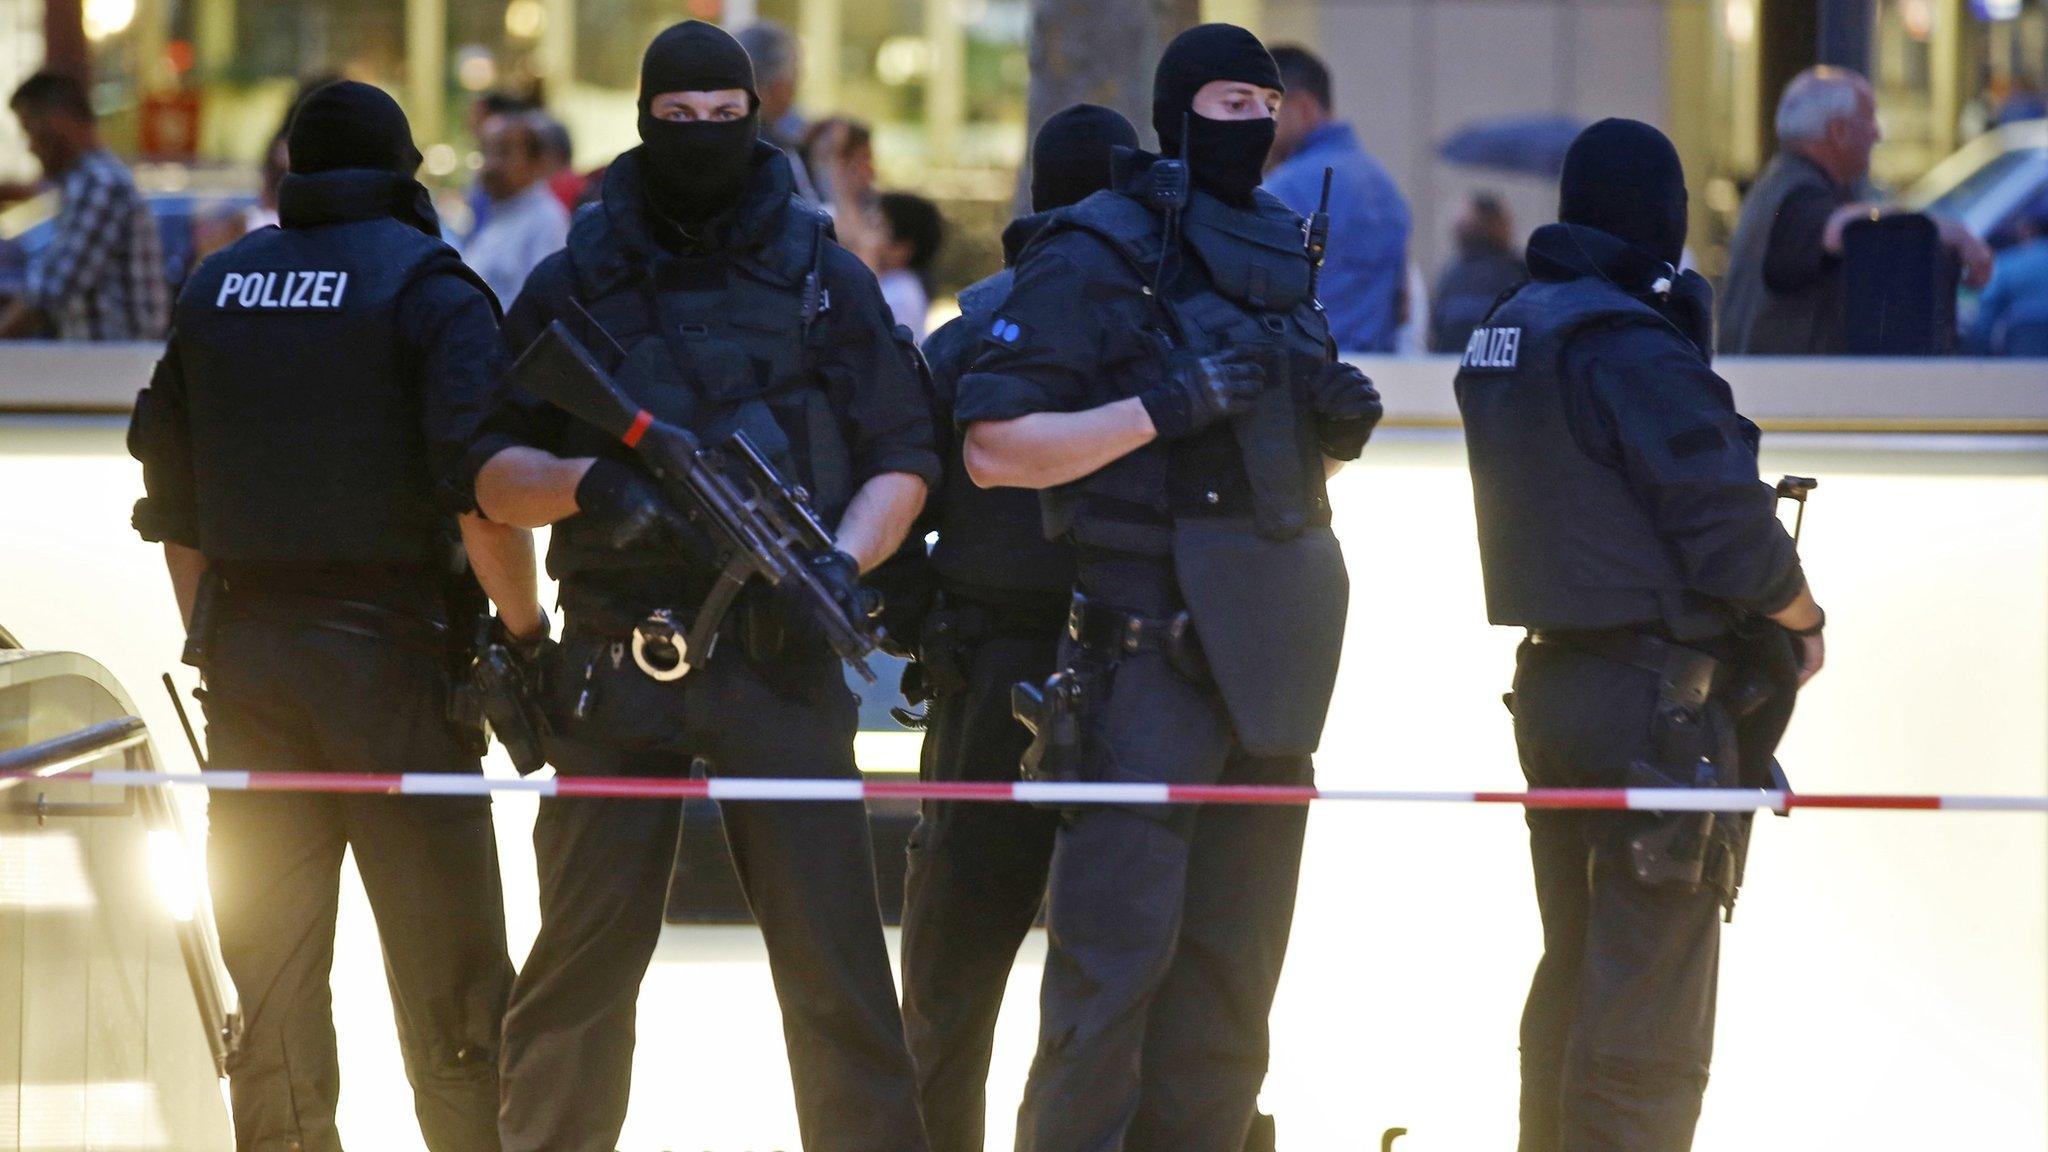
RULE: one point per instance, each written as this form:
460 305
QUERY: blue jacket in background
1368 257
2015 303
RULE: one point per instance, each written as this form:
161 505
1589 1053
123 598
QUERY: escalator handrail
199 937
61 753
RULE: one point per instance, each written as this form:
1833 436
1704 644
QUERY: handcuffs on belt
662 638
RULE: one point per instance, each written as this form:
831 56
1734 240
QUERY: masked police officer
302 442
734 310
977 871
1622 523
1161 370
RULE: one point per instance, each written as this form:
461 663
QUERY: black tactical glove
534 655
840 574
1199 392
1347 407
630 508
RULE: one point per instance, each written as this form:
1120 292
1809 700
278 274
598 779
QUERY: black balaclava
1227 157
350 125
358 132
1071 156
696 169
1624 178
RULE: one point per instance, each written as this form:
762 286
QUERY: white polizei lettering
1475 348
319 297
229 285
340 286
271 299
1514 346
252 290
301 288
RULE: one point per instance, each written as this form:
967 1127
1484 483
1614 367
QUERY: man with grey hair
1782 295
778 68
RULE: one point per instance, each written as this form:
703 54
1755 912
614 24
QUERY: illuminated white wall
1886 980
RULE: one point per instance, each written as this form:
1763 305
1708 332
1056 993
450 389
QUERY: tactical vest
1240 507
303 406
1243 281
989 538
1564 541
715 358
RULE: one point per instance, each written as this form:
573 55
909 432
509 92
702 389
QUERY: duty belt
1685 676
1093 624
354 617
656 634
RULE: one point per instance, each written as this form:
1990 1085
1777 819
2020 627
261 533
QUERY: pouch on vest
1270 438
825 452
1270 613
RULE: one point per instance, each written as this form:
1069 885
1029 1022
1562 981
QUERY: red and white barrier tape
732 788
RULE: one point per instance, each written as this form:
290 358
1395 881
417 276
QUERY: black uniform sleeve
1652 409
1042 347
450 327
1794 257
160 438
872 378
516 419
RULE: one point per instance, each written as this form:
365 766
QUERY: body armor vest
1239 507
303 406
1239 279
735 349
1564 541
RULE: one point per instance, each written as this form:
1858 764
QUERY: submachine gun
765 525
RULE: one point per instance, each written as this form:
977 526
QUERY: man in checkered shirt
102 275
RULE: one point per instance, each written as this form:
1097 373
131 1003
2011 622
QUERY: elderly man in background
526 222
778 68
1365 270
102 275
1783 292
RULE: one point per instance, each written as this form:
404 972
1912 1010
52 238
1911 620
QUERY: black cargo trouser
1618 1031
975 880
1167 930
292 696
604 868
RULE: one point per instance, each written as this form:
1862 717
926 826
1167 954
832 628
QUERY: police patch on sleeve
1493 349
1003 330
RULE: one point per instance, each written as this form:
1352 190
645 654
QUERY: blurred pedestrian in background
912 231
1363 274
1782 295
840 154
526 221
778 69
102 275
1487 265
558 160
2012 314
478 199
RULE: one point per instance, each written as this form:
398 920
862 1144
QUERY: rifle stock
767 523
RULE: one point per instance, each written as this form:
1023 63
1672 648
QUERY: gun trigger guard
676 671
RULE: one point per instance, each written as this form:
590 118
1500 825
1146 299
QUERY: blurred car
185 200
1990 183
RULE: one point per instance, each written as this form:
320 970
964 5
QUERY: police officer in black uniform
303 443
977 871
1161 370
1621 521
734 310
